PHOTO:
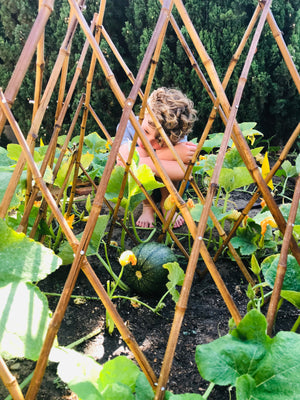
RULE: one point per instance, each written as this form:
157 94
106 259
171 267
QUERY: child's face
151 133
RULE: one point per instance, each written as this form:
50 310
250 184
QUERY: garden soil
206 319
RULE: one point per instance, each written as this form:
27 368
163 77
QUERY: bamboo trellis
228 112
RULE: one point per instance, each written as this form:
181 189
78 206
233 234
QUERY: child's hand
186 151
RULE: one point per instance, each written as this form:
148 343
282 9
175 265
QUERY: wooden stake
282 263
26 56
10 381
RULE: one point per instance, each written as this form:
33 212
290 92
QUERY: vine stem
108 267
296 325
137 235
208 390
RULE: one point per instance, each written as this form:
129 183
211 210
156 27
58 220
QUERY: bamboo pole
216 107
237 136
173 338
153 64
51 148
88 92
43 208
284 50
10 381
256 195
79 261
40 65
109 206
282 263
149 198
97 204
26 56
33 132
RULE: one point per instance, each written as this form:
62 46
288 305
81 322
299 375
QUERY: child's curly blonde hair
174 111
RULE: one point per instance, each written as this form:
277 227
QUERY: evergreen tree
270 96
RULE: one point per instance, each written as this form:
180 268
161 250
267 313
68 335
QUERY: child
176 115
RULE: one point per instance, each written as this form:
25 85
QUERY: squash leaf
291 296
246 240
233 178
22 331
292 276
66 252
132 193
5 176
85 160
117 379
176 277
261 368
23 259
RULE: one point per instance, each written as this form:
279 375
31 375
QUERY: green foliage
23 308
24 320
258 366
118 378
270 95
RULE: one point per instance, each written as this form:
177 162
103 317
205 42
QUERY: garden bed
205 320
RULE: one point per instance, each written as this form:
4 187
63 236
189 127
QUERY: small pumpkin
147 276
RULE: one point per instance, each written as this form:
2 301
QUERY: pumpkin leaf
132 193
80 372
260 367
297 164
95 143
292 276
291 296
143 389
22 331
176 277
66 252
23 259
121 370
117 379
246 240
85 160
5 176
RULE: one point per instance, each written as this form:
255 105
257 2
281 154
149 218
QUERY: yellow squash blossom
169 203
234 215
265 169
190 204
127 257
263 203
69 219
267 221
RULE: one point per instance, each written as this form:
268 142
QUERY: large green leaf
175 278
24 319
66 252
132 192
80 372
4 159
246 240
119 369
231 179
118 379
291 296
85 160
261 368
5 176
292 276
22 258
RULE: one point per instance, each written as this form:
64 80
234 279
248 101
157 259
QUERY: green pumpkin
148 277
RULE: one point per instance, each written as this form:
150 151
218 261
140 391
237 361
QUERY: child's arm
171 167
185 151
